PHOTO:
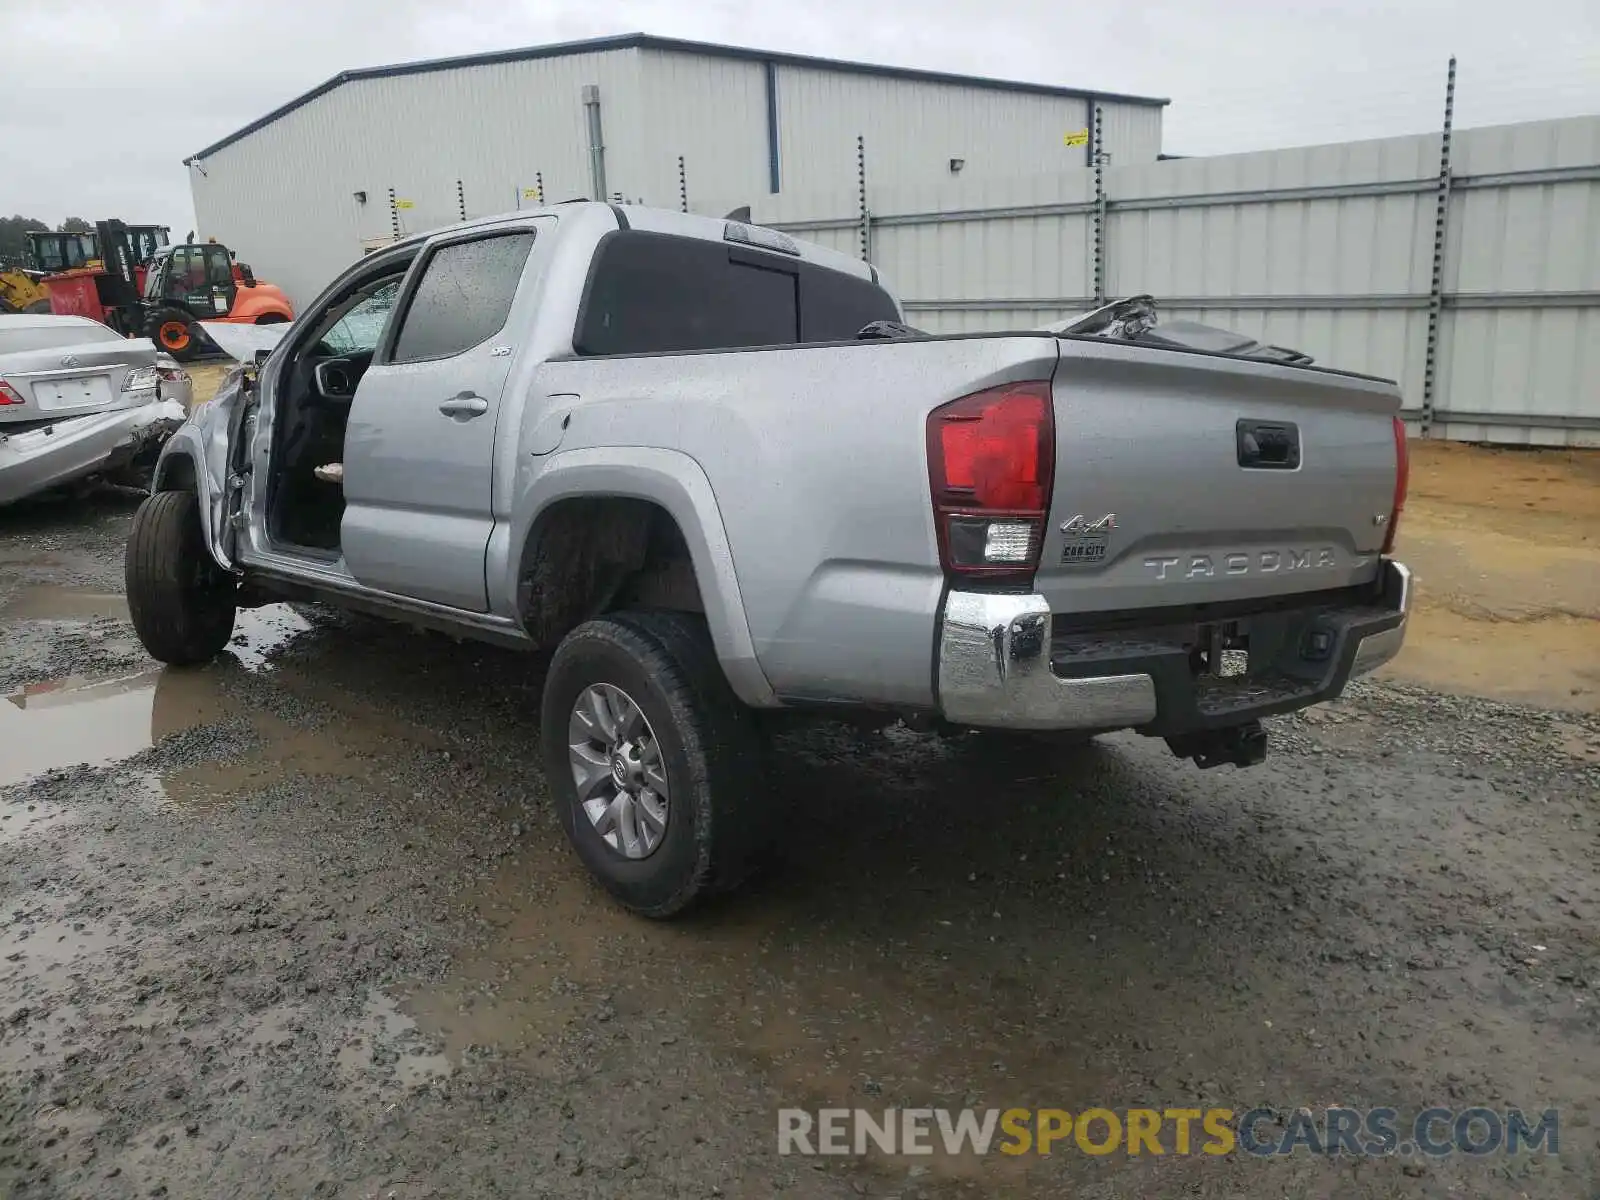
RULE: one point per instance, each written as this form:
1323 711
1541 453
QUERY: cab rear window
652 293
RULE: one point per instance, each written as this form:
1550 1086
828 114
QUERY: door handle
464 407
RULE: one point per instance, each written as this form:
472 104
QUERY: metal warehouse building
302 191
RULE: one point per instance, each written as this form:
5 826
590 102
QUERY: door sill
283 581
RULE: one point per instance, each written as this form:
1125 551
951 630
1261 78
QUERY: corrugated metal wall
284 194
916 128
1328 249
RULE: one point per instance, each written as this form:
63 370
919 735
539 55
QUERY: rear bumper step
1000 666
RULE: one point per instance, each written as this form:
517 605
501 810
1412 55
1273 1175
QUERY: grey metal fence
1465 265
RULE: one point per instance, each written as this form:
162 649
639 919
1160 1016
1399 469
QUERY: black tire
718 814
37 307
175 332
181 602
271 319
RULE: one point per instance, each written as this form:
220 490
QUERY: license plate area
1221 651
78 392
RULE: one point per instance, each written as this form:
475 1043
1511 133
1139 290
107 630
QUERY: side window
652 292
219 268
359 330
835 306
463 298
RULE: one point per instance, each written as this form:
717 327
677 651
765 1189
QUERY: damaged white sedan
78 401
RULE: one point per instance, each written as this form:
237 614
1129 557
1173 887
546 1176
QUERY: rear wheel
271 319
38 306
181 602
653 763
173 330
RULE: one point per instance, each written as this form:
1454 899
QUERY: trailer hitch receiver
1242 745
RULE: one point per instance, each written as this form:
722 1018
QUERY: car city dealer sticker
1084 541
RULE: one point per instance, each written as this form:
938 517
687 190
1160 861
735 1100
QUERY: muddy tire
173 331
181 602
653 763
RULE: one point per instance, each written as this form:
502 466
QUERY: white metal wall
1328 249
283 196
913 129
712 111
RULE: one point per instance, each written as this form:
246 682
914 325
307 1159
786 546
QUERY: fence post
538 186
861 192
461 200
1441 226
1099 213
683 187
394 216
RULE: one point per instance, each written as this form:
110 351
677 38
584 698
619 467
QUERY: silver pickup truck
705 464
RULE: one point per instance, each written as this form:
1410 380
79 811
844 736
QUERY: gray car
707 465
78 400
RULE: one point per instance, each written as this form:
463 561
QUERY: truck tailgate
1185 478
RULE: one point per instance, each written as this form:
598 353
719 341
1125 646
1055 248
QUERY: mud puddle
50 602
78 720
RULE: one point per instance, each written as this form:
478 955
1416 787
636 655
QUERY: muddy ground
301 923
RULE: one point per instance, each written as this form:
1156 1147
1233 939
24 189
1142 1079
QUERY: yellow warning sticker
1077 137
404 204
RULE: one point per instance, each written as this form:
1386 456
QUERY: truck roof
670 221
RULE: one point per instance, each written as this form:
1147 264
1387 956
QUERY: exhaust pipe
1242 745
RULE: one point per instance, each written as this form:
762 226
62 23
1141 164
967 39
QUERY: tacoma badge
1238 562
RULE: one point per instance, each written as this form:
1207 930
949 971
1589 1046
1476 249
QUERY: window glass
654 293
219 268
464 296
360 329
834 306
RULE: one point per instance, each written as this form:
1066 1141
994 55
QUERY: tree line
14 236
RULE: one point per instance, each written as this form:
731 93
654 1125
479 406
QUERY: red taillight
1402 481
9 394
991 456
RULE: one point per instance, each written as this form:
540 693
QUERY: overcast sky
108 97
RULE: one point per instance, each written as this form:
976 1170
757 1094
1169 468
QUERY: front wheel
652 761
182 603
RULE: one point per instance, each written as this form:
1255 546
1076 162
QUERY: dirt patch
206 377
1506 549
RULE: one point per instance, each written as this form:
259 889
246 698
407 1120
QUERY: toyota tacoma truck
707 468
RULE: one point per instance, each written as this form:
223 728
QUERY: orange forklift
164 295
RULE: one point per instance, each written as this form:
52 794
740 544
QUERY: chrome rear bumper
995 668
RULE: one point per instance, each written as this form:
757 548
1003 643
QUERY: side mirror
247 275
333 380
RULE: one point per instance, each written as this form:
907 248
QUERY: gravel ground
301 923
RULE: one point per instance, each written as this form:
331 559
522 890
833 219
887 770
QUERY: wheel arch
650 496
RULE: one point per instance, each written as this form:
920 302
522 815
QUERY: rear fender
679 485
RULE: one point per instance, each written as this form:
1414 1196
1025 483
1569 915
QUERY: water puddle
37 949
259 634
67 722
56 602
76 720
20 824
384 1045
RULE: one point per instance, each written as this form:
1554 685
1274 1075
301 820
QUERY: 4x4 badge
1085 540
